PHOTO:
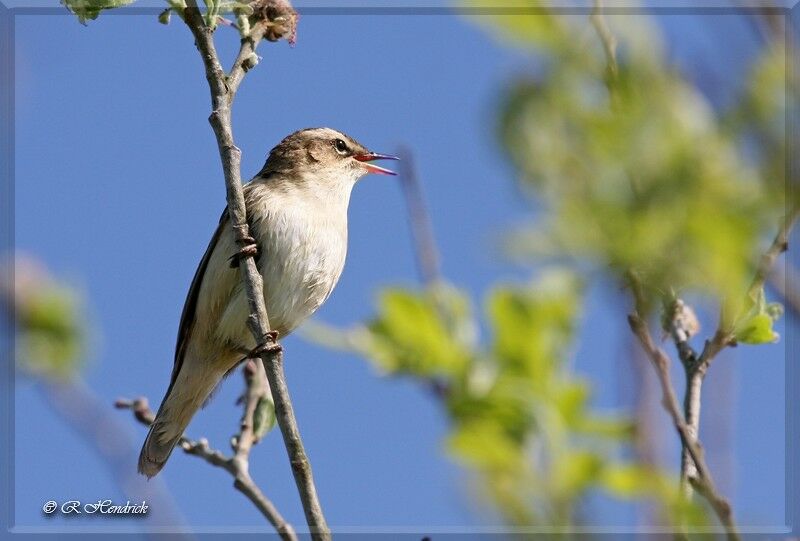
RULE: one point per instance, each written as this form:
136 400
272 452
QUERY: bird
296 208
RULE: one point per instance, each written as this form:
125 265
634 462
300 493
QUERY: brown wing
189 308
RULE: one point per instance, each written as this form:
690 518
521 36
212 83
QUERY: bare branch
681 323
223 91
244 60
779 245
419 220
660 362
721 506
691 445
238 464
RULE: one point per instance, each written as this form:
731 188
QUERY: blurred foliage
51 342
519 417
759 118
49 318
637 171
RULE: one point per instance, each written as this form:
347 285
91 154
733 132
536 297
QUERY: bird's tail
185 396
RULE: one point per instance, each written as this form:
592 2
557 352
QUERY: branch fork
237 465
681 324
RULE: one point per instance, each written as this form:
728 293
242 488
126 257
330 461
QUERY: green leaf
164 16
533 325
756 326
264 416
756 330
89 10
416 334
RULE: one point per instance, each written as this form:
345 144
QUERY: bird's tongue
371 167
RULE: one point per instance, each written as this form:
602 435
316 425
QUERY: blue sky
118 189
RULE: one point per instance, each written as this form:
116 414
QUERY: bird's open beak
372 168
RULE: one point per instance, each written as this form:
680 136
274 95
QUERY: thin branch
692 400
244 60
223 91
721 506
681 323
779 245
238 464
607 38
660 362
427 254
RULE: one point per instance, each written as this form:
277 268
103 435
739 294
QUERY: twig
243 59
607 38
779 245
419 220
238 464
681 323
689 441
223 90
660 362
692 399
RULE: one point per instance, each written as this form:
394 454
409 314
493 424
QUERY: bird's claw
249 248
269 345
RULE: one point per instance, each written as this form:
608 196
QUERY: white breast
304 254
303 244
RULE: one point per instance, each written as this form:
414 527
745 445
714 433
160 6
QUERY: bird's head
323 155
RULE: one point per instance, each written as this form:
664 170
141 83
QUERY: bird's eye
341 146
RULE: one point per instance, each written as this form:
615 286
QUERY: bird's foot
270 344
249 248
